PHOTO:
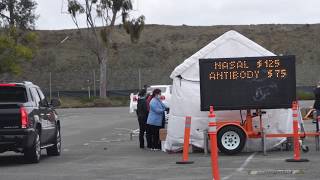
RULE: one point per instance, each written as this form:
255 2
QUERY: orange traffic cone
296 136
185 154
213 140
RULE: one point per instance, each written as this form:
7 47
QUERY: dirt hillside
160 49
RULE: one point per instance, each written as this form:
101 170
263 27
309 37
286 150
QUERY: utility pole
89 95
50 89
139 70
50 84
94 83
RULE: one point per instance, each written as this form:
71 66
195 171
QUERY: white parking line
246 162
126 129
277 171
116 140
105 141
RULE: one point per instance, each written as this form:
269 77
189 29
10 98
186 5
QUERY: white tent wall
185 100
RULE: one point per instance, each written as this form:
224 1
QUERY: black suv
28 122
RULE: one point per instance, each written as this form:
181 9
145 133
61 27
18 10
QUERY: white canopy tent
185 100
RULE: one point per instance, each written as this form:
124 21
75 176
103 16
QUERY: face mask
158 96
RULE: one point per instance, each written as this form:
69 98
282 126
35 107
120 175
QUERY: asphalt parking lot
97 145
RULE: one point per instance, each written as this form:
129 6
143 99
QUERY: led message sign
247 82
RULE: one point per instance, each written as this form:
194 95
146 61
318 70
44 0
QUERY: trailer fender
222 124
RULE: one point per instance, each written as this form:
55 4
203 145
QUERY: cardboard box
162 134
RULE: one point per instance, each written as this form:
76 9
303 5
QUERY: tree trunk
11 13
103 77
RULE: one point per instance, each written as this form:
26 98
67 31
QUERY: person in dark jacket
142 114
316 105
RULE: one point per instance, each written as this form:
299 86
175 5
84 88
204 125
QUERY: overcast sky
197 12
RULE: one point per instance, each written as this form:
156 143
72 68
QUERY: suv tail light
24 117
7 85
162 97
135 98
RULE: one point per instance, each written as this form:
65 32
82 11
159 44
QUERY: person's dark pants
163 119
142 129
154 136
149 136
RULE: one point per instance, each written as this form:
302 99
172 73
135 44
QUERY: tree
12 54
99 39
17 42
18 13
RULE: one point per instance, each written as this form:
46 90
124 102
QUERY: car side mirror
43 103
55 102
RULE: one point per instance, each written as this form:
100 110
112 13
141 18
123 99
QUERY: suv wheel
33 154
55 150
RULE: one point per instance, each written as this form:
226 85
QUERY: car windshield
13 94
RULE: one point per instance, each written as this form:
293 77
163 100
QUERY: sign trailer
246 83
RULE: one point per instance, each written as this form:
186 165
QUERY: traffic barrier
185 154
296 136
213 144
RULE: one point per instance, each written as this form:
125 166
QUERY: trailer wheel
231 140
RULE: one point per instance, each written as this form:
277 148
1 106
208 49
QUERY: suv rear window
13 94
